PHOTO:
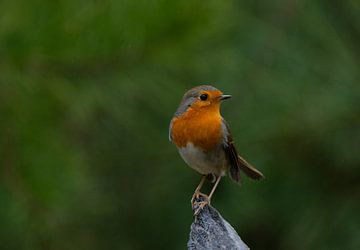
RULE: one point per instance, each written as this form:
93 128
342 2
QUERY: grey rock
210 231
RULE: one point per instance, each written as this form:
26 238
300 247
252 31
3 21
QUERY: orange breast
200 127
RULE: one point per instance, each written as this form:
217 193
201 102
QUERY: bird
204 141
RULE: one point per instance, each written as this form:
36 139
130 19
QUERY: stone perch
210 231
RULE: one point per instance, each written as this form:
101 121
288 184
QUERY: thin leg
197 192
215 185
200 184
202 204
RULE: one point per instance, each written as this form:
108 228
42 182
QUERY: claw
196 196
200 205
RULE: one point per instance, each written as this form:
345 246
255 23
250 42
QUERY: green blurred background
87 90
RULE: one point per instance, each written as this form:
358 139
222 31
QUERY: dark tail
249 170
241 164
238 163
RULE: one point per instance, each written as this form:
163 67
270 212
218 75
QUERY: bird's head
203 97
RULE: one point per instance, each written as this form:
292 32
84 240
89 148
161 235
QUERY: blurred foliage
87 90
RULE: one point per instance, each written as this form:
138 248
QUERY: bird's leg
197 192
214 187
200 205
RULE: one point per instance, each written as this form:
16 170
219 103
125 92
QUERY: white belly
213 162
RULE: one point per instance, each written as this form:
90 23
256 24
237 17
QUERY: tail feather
234 172
236 162
249 170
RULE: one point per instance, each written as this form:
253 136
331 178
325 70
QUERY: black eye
203 97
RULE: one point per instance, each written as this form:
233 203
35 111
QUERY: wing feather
236 162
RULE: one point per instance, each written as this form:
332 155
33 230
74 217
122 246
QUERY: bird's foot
198 197
199 201
199 205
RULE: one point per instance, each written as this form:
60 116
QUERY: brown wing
236 162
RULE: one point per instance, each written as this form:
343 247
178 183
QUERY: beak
224 97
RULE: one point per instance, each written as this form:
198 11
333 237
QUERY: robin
204 141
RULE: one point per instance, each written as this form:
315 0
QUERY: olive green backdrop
87 90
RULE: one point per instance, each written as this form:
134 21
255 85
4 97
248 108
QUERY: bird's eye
203 97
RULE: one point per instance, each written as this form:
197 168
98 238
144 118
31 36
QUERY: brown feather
249 170
238 163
